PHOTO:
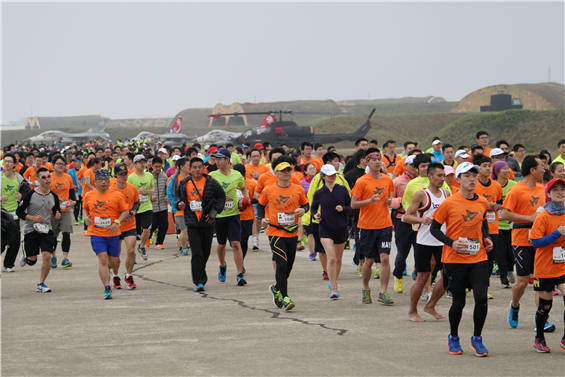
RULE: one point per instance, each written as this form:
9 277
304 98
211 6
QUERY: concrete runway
165 328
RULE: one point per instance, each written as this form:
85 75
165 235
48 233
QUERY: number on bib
41 228
102 222
143 198
228 205
196 206
558 255
491 216
286 219
473 246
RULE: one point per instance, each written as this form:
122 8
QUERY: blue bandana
101 173
554 208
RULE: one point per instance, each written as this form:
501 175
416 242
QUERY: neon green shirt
229 183
148 181
10 187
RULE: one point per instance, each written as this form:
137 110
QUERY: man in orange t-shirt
103 214
520 207
247 214
372 193
254 169
287 204
464 255
307 157
128 227
62 185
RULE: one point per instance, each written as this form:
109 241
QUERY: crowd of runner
468 213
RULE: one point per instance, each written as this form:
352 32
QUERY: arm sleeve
484 228
56 208
435 230
136 206
20 212
306 207
546 240
72 195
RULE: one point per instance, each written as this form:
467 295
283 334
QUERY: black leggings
78 207
284 254
161 221
479 314
65 244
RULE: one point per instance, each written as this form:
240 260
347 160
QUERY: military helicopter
279 131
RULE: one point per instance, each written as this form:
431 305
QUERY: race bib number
14 215
102 222
473 246
196 206
228 205
143 198
558 255
286 219
239 194
41 228
491 216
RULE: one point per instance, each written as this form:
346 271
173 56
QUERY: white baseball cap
139 157
176 157
461 153
465 167
328 170
410 160
497 152
436 142
163 150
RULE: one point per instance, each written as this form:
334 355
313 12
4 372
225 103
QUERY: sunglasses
45 176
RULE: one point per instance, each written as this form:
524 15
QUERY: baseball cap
258 146
449 170
223 153
163 150
295 152
436 142
176 157
328 170
461 153
282 166
497 152
243 146
212 150
465 167
77 159
552 183
206 147
139 157
120 168
410 160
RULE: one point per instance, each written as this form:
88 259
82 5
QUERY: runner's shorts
375 241
110 245
35 242
228 227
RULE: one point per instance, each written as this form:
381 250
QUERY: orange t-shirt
316 161
298 175
249 213
103 210
49 166
18 167
374 215
400 167
267 179
132 170
454 189
132 195
392 163
492 193
180 212
249 169
61 187
282 202
194 190
544 225
29 174
462 218
523 200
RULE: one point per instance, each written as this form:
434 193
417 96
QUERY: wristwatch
118 222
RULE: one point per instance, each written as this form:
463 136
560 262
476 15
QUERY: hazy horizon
152 60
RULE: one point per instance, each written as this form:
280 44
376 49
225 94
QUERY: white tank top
424 237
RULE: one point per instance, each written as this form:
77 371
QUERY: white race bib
14 215
491 216
196 206
102 222
500 214
228 205
41 228
63 205
473 246
286 219
143 198
558 255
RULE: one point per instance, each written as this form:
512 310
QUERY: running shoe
77 222
335 293
184 251
222 273
85 233
549 327
563 342
256 244
288 304
347 246
117 282
42 288
107 293
200 288
241 280
377 272
142 252
495 269
66 263
53 262
300 247
367 296
398 285
511 277
424 296
489 296
325 275
23 261
277 297
449 295
178 240
8 269
540 346
312 256
160 247
478 347
385 298
513 316
262 230
453 345
505 286
404 273
360 270
414 274
129 282
81 219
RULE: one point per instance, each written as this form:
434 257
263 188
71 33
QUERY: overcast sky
134 60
